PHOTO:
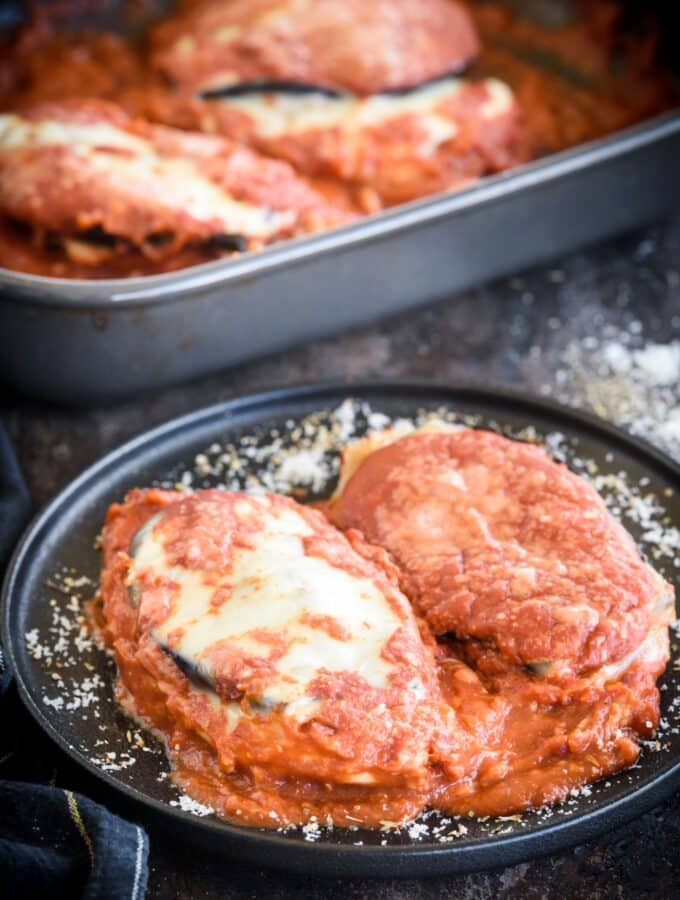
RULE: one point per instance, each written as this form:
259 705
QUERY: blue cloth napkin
54 840
15 507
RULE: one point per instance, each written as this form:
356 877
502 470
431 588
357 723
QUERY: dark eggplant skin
259 705
187 667
269 86
142 533
266 86
541 667
196 675
192 672
413 88
235 242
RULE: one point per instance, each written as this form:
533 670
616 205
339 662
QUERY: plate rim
539 840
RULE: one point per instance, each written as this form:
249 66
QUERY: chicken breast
84 170
364 48
361 93
389 148
498 542
304 656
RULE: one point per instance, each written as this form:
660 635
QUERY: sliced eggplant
188 668
263 86
198 673
246 88
139 538
235 242
663 613
413 89
265 627
541 667
184 664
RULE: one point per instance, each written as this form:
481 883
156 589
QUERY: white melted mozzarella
278 114
499 101
652 649
139 163
273 586
16 133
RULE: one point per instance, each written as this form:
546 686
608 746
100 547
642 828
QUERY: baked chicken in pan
290 116
95 184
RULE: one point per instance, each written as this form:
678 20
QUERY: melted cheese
99 144
499 101
278 114
17 133
649 652
354 453
275 585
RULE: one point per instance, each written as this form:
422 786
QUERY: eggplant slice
78 168
347 45
274 618
271 86
265 86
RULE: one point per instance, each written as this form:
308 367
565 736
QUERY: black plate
89 725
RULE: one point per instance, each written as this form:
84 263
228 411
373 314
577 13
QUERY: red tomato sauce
506 739
572 83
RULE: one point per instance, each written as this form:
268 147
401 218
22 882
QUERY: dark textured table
534 331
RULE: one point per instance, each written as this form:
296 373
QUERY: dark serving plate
66 681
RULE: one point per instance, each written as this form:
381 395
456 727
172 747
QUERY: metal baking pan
89 341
